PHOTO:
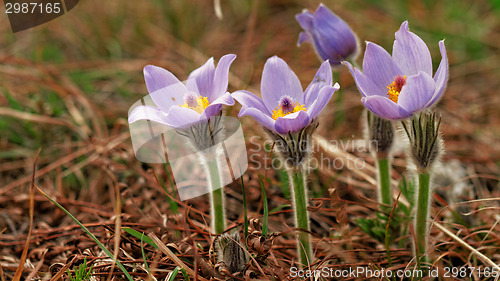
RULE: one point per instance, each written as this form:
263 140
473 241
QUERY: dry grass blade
4 111
63 270
118 222
68 158
218 9
173 257
469 247
54 165
38 266
335 151
2 275
22 260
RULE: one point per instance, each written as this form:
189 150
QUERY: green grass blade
265 220
144 254
171 203
245 215
139 235
173 274
279 208
184 274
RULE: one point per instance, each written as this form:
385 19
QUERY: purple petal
365 85
221 77
417 92
385 108
169 96
216 106
322 78
304 37
204 77
157 78
410 52
292 122
325 94
323 54
333 35
192 86
247 99
144 112
263 118
379 66
305 19
279 80
441 76
182 117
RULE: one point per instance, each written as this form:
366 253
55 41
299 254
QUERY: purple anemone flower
285 107
331 37
180 105
397 87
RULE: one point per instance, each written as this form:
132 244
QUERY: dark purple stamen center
286 104
191 99
399 82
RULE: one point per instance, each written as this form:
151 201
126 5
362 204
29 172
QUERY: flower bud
425 140
231 255
331 37
380 134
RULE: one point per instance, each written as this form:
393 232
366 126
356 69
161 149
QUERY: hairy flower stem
217 210
422 214
298 182
425 149
384 181
380 135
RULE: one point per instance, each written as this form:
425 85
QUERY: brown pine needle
173 257
469 247
22 260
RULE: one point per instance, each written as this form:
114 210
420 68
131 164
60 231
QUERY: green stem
217 197
384 181
422 214
245 215
298 182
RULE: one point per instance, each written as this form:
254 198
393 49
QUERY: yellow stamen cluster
278 112
395 88
201 104
393 93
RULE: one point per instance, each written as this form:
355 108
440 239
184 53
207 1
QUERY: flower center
195 102
395 87
287 106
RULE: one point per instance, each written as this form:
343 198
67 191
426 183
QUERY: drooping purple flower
331 37
399 86
285 107
179 105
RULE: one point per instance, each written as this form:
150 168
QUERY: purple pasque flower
331 37
285 107
180 105
397 87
